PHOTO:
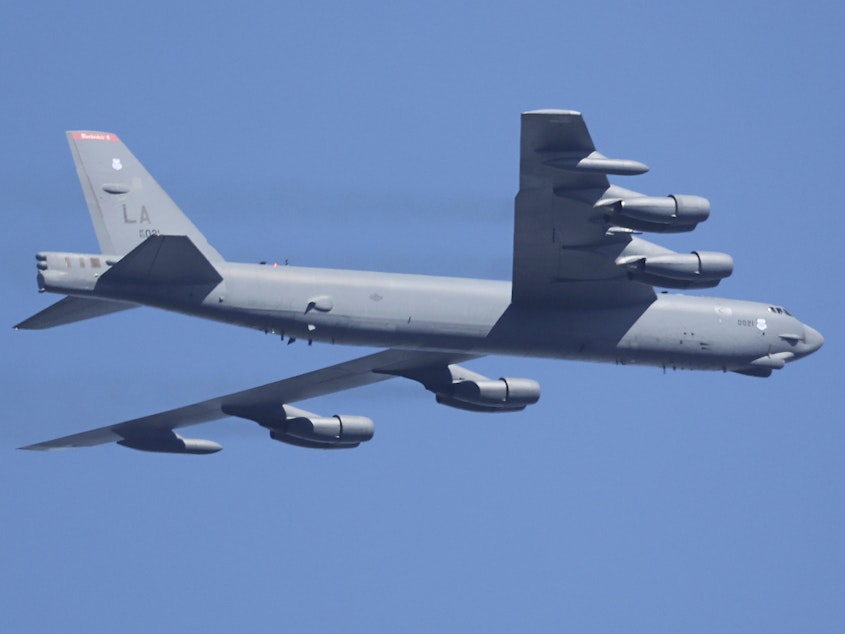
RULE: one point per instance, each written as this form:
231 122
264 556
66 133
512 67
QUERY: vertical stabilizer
127 206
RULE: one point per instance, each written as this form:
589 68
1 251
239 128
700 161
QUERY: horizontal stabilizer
163 260
70 310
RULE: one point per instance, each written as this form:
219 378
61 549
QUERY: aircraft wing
259 403
564 249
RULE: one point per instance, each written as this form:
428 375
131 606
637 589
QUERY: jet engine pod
699 269
675 213
488 395
318 432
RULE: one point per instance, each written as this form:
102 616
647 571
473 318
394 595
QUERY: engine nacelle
318 432
169 441
488 395
699 269
662 214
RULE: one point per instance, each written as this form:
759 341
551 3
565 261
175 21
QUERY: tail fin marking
126 204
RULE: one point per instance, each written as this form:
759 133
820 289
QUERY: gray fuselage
457 314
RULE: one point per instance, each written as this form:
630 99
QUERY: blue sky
384 136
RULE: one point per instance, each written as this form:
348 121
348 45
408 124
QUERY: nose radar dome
813 338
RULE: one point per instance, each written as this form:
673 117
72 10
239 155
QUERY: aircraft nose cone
813 339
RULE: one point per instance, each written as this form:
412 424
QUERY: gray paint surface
583 288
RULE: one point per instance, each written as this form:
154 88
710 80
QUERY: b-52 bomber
583 288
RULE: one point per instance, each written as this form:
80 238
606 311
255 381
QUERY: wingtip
45 446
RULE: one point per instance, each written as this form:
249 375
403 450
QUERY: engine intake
675 213
699 269
488 395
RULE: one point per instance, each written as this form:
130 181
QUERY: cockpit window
780 310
